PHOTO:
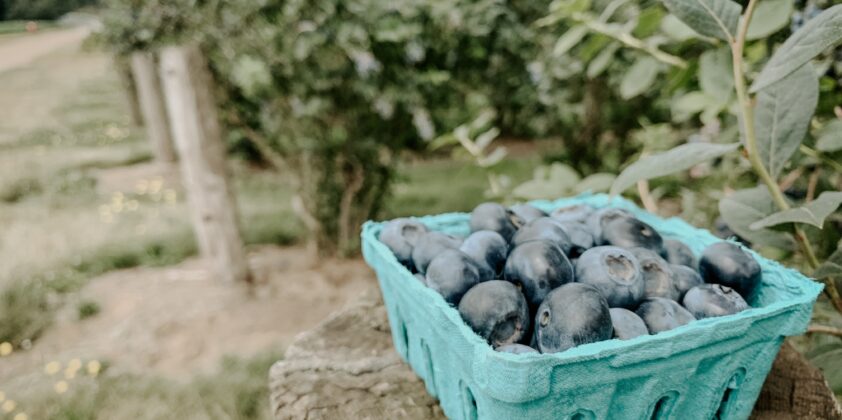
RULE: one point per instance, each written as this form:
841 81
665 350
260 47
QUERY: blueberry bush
331 92
774 114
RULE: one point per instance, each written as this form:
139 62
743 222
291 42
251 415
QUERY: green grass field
66 221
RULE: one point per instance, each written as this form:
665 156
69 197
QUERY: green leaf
648 22
715 75
674 28
826 358
570 39
832 267
813 213
557 180
816 36
639 77
714 18
783 115
600 181
769 17
830 137
602 60
678 159
690 104
744 207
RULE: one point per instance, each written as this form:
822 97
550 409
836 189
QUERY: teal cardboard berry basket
708 368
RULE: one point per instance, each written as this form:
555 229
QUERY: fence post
124 71
198 137
152 106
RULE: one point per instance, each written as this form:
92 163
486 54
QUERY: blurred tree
40 9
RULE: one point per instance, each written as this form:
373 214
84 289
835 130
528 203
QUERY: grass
238 390
444 185
87 309
61 229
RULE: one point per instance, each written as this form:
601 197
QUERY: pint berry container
708 368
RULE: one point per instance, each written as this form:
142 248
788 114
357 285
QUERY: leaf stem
824 329
813 153
747 120
629 40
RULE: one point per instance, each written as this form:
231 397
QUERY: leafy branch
627 39
753 154
773 124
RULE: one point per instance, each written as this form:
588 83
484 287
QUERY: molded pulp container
708 368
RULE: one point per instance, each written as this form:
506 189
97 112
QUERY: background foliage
39 9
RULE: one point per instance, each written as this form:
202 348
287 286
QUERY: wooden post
152 106
198 137
124 71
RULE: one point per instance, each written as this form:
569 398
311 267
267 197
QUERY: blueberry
661 314
429 245
580 236
538 267
657 274
710 300
516 349
615 272
684 278
578 213
571 315
629 232
497 311
727 264
527 212
452 274
489 250
543 228
401 235
627 324
597 220
676 252
493 216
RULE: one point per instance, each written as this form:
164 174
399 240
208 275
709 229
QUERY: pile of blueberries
527 281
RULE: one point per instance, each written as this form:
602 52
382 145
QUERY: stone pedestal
346 368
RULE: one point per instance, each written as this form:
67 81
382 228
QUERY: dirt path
179 320
21 51
41 73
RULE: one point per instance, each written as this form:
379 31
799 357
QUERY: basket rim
802 289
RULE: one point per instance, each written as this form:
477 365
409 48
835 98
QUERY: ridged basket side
712 366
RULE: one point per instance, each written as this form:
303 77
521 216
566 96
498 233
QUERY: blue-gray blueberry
627 324
497 311
661 314
527 212
543 228
676 252
630 232
452 274
657 274
727 264
538 267
493 216
615 272
684 278
401 235
489 249
572 315
429 245
710 300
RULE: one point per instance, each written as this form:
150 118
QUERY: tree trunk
585 150
152 106
124 70
198 136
